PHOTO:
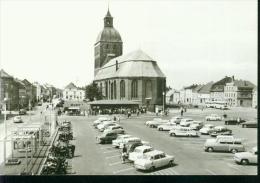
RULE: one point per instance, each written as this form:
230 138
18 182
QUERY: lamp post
5 124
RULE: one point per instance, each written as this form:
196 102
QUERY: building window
106 89
122 89
148 89
114 89
134 89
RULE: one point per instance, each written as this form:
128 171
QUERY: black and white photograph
142 88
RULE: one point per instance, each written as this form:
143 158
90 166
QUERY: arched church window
106 89
134 89
148 89
114 89
122 89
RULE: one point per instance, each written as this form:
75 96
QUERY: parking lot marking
123 170
110 151
116 163
211 172
109 157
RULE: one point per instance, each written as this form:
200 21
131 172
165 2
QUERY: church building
126 79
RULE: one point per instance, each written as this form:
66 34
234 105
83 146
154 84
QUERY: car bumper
140 167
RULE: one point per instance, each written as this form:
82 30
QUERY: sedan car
17 119
106 138
246 158
166 127
206 129
120 139
184 132
249 124
116 129
139 152
186 122
176 119
220 130
213 117
196 125
234 121
153 159
155 124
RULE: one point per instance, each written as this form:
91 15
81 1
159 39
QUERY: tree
93 92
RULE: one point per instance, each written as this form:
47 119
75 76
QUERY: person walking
181 112
124 153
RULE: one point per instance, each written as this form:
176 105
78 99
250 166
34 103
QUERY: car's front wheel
152 168
171 163
210 149
244 162
160 129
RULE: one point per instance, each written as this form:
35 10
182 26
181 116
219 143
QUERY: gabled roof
172 91
134 64
71 86
219 85
197 88
4 74
243 84
206 88
26 82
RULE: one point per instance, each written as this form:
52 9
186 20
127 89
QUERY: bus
220 105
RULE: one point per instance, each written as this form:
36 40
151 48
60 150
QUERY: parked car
213 117
224 144
154 124
103 127
206 129
100 120
183 131
233 121
166 127
39 104
220 130
22 111
186 122
116 129
106 138
153 160
130 147
102 124
17 119
129 140
13 161
196 125
176 119
246 158
120 139
249 124
139 152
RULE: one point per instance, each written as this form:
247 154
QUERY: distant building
23 100
254 100
204 93
31 92
195 95
172 97
239 93
217 89
190 94
73 93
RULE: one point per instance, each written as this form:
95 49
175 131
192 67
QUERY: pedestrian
181 112
124 153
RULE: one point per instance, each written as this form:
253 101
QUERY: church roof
134 64
109 34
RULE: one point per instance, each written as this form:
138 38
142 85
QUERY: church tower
108 44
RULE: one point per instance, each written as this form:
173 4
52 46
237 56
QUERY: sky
193 41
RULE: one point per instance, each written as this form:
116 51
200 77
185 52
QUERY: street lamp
5 124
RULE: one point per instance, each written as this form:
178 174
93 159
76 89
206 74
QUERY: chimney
116 65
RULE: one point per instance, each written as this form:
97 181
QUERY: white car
139 152
166 127
129 140
104 124
220 128
155 124
213 117
153 160
196 125
206 129
183 131
186 122
176 119
99 121
17 119
116 129
120 139
245 158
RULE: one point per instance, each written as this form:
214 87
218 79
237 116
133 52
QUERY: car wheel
210 149
171 163
233 151
152 168
244 162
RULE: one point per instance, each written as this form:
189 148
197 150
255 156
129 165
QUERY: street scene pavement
190 158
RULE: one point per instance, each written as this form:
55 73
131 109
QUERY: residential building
204 93
73 93
217 89
172 97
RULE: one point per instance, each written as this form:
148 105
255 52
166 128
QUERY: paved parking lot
190 158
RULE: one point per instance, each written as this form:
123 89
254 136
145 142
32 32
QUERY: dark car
234 121
224 132
106 138
249 124
22 112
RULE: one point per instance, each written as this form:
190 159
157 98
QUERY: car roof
125 135
143 147
153 153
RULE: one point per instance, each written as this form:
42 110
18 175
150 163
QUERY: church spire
108 20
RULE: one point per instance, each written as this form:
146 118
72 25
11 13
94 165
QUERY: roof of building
26 82
172 91
206 88
193 86
133 64
4 74
19 82
243 84
71 86
197 88
219 85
